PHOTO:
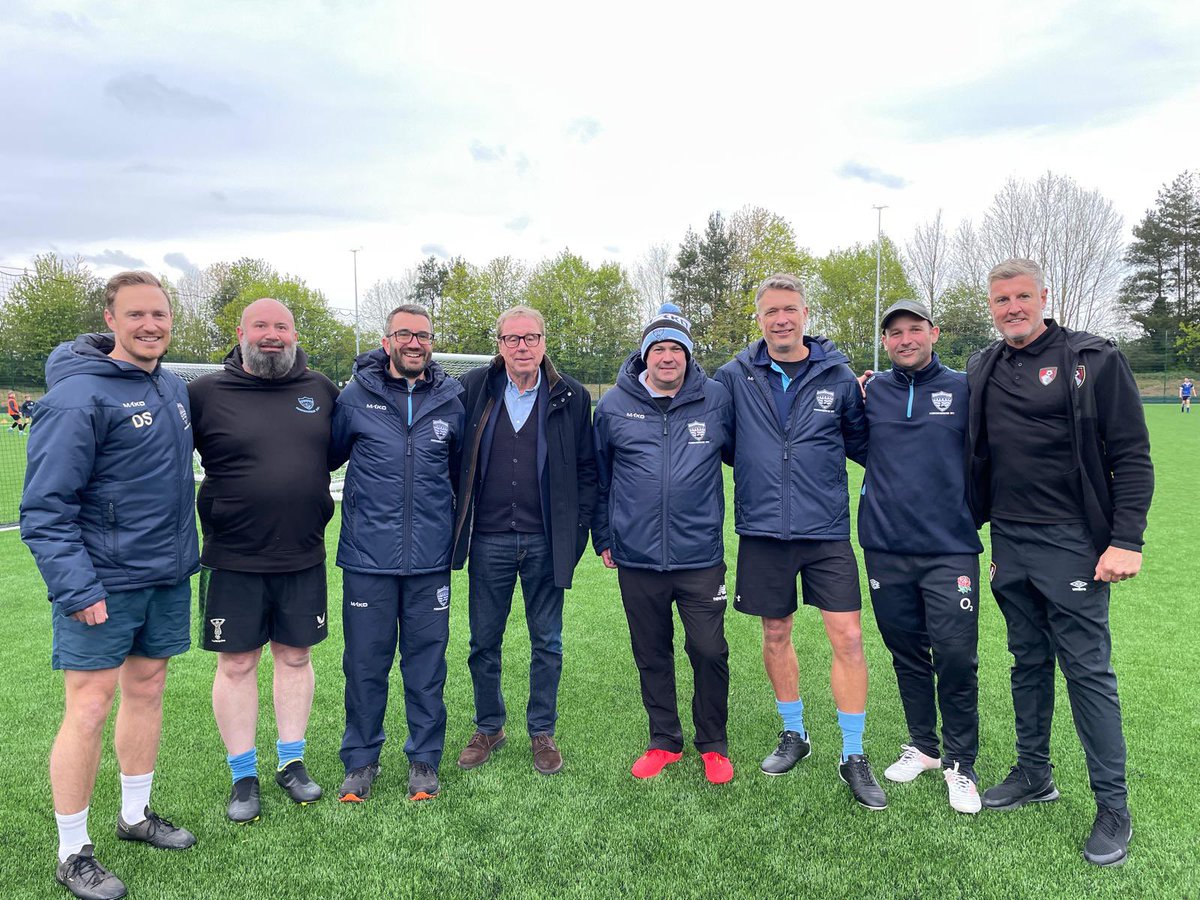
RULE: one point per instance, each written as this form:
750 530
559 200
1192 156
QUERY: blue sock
289 750
852 732
792 713
244 765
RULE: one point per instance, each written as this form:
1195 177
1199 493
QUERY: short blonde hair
514 311
1015 268
126 279
780 281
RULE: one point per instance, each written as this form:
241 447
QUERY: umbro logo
1079 586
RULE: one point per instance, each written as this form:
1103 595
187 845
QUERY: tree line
1146 290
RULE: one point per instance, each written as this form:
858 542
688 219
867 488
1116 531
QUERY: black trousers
927 610
700 596
1043 582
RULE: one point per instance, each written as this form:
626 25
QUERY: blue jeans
494 563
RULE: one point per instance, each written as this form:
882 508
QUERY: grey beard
271 366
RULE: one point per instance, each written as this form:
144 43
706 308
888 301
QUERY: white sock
72 833
135 797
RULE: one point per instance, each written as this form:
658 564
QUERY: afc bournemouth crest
440 429
1080 375
942 400
696 430
306 405
1048 375
825 399
964 584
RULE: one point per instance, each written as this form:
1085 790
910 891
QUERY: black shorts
241 611
767 570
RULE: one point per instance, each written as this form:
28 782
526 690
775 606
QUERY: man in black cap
660 513
922 550
1059 461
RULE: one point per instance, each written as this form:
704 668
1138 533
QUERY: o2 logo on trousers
141 420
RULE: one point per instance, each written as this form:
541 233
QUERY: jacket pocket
108 518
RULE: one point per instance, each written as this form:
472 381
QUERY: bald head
267 337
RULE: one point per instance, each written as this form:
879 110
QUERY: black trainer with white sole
792 748
1023 785
856 772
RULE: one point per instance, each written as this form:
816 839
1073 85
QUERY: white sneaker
912 762
963 795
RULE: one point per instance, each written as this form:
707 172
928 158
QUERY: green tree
58 300
842 298
965 325
467 322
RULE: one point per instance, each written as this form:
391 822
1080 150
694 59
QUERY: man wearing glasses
400 424
528 488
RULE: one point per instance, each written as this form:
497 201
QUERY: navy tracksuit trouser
379 611
927 610
1042 579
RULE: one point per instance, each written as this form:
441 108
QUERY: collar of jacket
368 371
233 365
930 372
756 357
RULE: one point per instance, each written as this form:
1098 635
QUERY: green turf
12 473
592 831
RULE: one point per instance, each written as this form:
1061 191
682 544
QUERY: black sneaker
422 782
792 748
856 772
87 879
1023 785
1108 844
244 805
155 831
295 780
357 786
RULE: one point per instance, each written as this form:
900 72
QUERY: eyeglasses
512 341
403 336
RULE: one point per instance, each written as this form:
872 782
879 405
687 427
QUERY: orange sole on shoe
350 798
422 795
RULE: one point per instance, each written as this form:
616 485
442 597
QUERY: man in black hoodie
262 427
1059 461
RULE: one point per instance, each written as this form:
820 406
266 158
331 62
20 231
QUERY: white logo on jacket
824 401
942 400
441 428
307 405
443 597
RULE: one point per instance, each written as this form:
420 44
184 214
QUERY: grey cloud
519 224
435 250
481 152
583 129
1107 63
116 258
180 262
870 174
146 95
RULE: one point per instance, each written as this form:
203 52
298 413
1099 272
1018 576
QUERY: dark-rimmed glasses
512 341
403 336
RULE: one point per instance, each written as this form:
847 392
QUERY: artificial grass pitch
503 830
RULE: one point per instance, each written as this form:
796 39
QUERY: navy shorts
241 611
152 622
767 570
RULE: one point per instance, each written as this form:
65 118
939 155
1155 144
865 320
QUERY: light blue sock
289 750
792 713
244 765
852 732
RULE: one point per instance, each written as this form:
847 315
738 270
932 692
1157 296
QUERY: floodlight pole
354 251
878 268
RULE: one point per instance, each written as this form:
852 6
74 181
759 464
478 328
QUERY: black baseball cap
915 307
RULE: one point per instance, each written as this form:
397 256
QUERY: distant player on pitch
1186 389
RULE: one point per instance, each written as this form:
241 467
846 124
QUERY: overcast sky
172 135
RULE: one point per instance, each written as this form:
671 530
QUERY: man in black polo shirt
262 427
1059 461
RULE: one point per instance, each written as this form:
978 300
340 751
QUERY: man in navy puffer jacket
107 514
660 512
400 424
922 550
799 416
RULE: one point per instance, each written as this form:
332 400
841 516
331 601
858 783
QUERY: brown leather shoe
479 749
546 758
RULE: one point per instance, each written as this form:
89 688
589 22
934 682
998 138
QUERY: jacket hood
369 368
628 379
756 354
88 355
233 365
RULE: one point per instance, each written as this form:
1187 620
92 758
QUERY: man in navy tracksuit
1059 461
922 550
107 512
799 415
400 423
660 513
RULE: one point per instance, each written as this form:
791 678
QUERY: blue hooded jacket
914 495
109 495
399 498
790 483
661 500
